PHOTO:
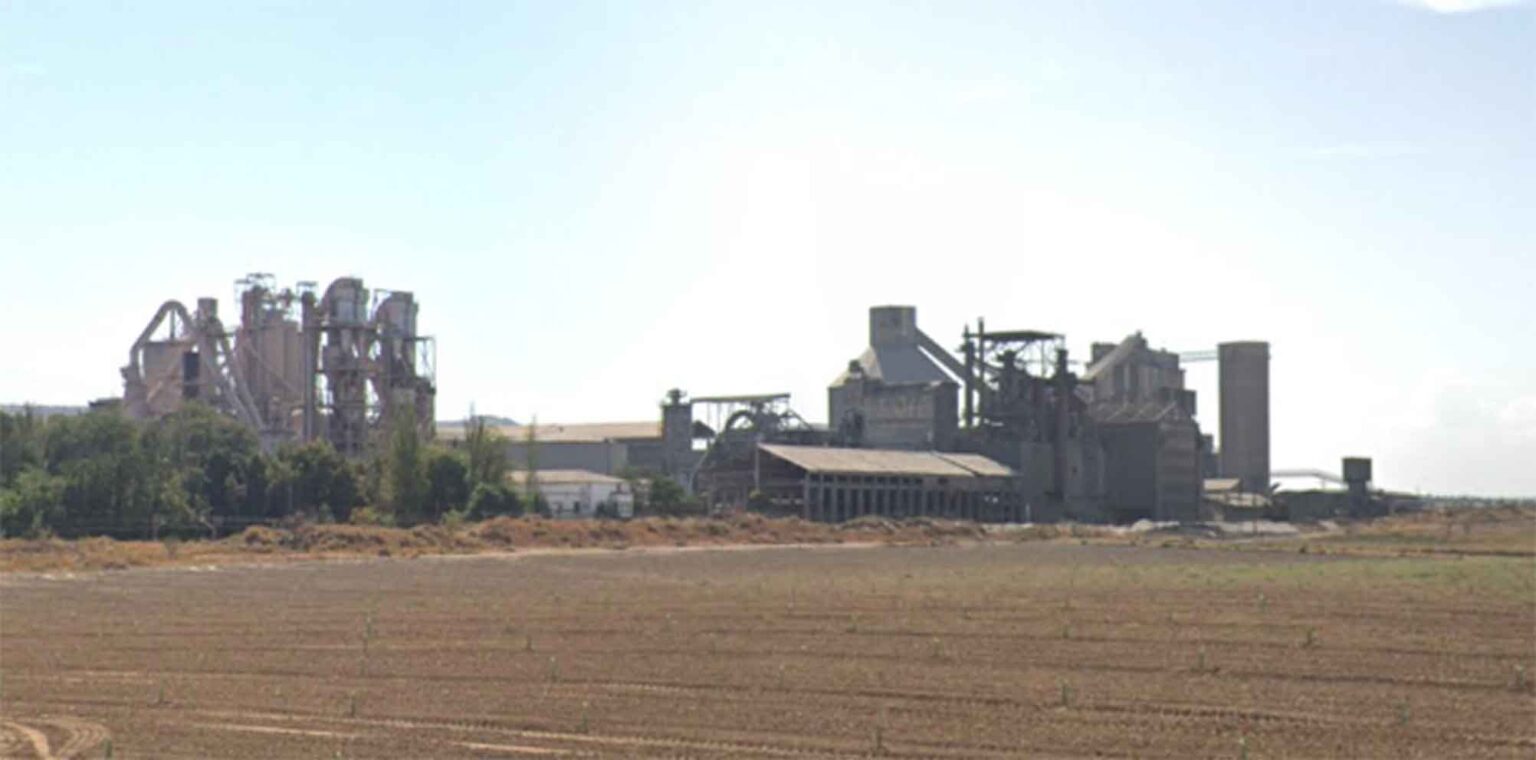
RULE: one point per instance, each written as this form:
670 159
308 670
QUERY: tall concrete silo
1244 370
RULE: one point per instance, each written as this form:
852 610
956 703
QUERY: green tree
215 460
486 448
32 506
403 487
448 481
667 497
21 444
113 485
494 500
313 480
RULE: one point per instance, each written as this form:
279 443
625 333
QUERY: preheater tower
1244 370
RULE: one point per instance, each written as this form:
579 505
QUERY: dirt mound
298 541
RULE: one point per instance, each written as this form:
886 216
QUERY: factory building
302 364
1120 442
1146 422
664 446
600 447
896 394
579 494
1132 372
1151 462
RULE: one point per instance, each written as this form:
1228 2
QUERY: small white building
578 494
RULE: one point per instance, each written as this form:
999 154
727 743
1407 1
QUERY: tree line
197 472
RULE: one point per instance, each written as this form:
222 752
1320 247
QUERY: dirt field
1047 648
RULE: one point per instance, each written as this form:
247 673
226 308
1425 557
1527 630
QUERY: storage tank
1244 391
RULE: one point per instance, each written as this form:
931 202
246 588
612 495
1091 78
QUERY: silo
1244 370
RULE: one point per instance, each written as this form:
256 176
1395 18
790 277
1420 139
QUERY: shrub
372 516
494 500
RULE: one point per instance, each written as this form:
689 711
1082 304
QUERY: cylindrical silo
1244 370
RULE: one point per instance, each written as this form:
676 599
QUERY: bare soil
996 649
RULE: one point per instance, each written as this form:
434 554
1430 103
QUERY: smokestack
1063 382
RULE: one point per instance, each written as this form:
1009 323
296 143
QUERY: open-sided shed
830 484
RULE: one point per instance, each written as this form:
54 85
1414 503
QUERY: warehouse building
664 446
577 494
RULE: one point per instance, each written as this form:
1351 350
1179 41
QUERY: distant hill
490 419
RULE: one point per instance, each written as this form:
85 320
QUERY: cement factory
1002 429
302 364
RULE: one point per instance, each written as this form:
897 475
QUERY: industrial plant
301 365
1005 427
1005 431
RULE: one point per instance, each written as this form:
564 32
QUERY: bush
668 499
494 500
447 482
33 506
372 516
453 520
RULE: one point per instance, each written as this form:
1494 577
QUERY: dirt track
974 651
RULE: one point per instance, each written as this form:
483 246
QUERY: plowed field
1034 649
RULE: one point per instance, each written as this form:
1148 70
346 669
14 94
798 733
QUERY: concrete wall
580 500
1152 470
905 416
1146 375
1130 471
1244 371
606 457
1179 471
1303 506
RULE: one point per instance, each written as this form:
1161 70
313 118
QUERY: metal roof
823 459
980 465
1222 485
586 432
898 365
565 477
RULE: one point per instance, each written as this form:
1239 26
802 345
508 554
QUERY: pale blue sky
597 202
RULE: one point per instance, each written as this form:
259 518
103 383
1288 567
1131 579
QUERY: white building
574 494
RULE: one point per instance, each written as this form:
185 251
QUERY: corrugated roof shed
822 459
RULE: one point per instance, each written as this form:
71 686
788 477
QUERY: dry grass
1504 531
1509 531
265 544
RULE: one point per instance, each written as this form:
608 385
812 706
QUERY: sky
596 202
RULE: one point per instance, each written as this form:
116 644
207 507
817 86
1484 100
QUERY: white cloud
1460 6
